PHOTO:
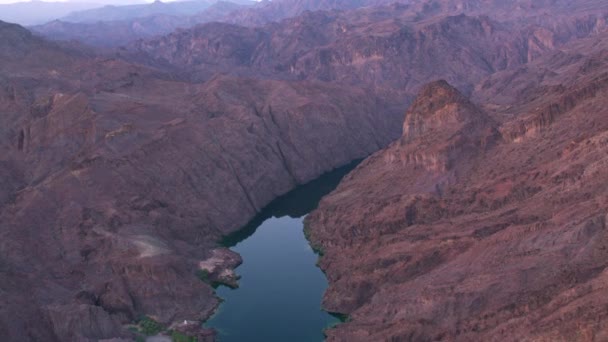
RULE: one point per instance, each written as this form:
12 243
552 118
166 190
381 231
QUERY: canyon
120 180
478 214
483 221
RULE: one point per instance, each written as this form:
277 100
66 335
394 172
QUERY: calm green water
279 298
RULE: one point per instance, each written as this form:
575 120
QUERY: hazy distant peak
113 13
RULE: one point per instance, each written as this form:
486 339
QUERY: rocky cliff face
114 28
390 49
117 181
479 235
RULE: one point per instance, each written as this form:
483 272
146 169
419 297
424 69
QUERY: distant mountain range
116 13
112 26
110 33
40 12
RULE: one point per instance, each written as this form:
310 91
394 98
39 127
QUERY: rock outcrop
479 236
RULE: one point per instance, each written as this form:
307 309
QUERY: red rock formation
117 182
391 50
505 243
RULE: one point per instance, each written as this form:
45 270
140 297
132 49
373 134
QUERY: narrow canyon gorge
135 139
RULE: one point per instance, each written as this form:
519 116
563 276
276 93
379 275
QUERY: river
280 290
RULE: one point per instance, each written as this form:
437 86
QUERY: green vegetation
176 336
149 327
